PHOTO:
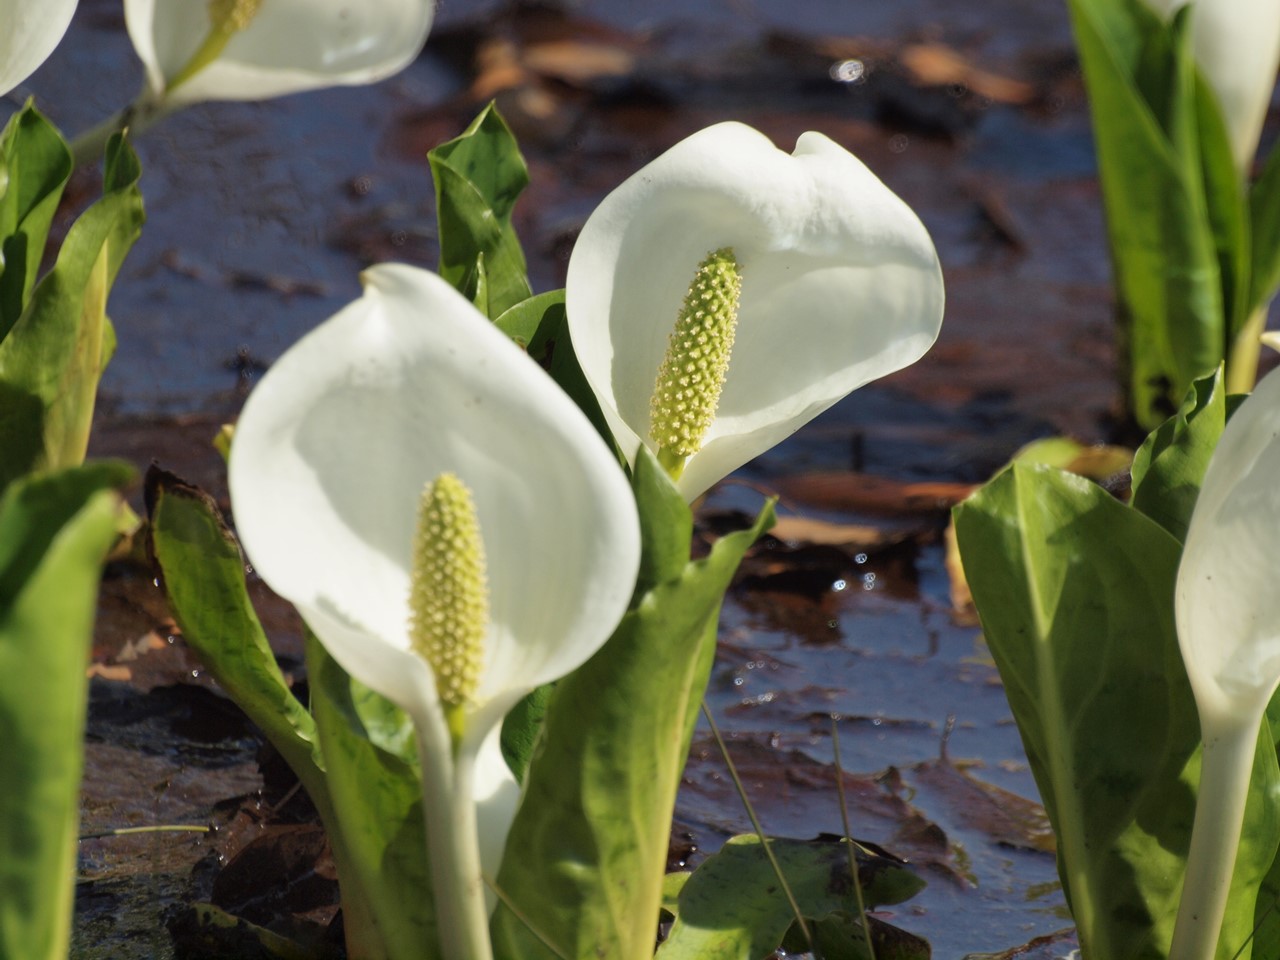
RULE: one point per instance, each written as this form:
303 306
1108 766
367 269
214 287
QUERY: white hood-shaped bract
840 285
1227 604
1237 45
327 470
328 465
288 46
29 30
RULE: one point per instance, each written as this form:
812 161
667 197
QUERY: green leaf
203 574
731 908
1169 285
586 854
53 358
478 177
378 832
55 531
1075 591
840 937
1264 221
38 164
1170 464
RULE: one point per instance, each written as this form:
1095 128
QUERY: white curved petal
1227 604
840 285
333 449
289 46
29 32
497 795
1237 45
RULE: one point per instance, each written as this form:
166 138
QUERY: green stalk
1242 356
1225 768
453 848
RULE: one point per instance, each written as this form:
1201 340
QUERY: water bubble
868 581
839 585
860 558
848 71
899 142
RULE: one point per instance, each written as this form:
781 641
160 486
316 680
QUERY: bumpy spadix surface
692 373
328 466
280 46
1228 604
448 591
29 30
840 285
1237 46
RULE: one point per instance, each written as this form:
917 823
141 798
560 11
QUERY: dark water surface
262 215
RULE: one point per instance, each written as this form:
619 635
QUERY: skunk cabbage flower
729 292
449 525
1228 615
1237 45
30 31
254 49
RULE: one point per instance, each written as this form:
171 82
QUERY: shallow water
261 216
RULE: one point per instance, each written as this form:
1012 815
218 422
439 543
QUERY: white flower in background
450 526
1228 615
1237 45
793 278
254 49
29 30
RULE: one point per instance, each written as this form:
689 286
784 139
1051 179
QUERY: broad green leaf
732 908
55 531
1264 221
52 359
378 833
840 937
478 177
1168 281
1075 591
203 574
1168 467
586 854
204 580
38 164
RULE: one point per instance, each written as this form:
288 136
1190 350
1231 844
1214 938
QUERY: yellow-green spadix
839 285
327 476
197 50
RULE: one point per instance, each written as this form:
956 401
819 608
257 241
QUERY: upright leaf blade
478 177
1168 467
1169 286
54 534
53 358
1075 591
37 165
586 854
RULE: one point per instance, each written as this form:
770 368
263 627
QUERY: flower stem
448 805
89 146
1225 769
1242 355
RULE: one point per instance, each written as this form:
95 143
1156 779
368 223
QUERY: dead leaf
937 65
849 490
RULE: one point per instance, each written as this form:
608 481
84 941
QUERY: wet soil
261 216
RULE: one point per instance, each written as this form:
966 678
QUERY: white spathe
1237 45
289 46
327 468
840 285
1228 614
29 30
1227 604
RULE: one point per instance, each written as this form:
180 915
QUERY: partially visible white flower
332 452
266 48
1237 45
833 279
29 30
1228 615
